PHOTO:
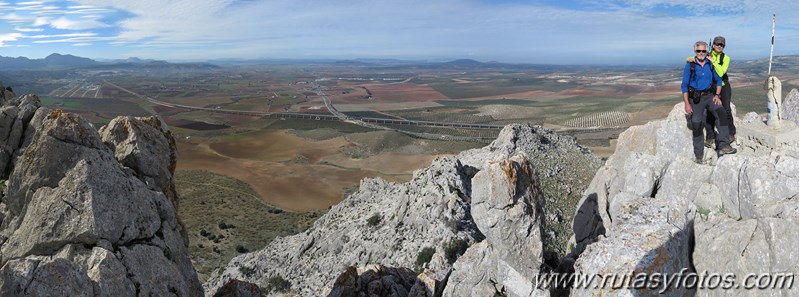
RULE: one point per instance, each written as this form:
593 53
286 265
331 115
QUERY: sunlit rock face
79 221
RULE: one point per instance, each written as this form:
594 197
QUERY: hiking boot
727 150
710 142
699 160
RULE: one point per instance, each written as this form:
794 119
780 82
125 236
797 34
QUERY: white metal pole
771 56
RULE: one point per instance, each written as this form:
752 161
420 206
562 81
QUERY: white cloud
9 37
20 29
64 23
640 32
40 21
63 35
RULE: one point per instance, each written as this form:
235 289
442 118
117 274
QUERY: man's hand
691 60
688 109
716 100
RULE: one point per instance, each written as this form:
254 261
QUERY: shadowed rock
237 288
15 115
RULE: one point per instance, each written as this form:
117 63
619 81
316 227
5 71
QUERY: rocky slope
525 183
651 209
88 213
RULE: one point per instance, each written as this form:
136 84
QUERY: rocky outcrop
15 114
507 206
652 210
153 161
8 93
564 171
374 280
457 206
790 107
385 223
76 222
237 288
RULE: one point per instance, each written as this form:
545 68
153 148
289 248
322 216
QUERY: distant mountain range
61 62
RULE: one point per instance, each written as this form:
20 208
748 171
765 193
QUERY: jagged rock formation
427 223
15 114
651 209
790 107
237 288
564 171
154 160
507 206
378 280
78 222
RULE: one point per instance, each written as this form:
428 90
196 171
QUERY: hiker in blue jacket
701 86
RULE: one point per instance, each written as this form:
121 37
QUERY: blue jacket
703 79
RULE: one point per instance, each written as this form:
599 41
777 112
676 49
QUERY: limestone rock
78 224
6 94
15 116
564 169
640 240
482 272
507 206
644 207
429 284
421 216
428 223
374 280
790 107
237 288
153 161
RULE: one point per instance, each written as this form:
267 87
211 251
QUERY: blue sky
547 31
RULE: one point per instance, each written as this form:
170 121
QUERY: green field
209 203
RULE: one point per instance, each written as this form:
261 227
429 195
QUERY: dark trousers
698 118
726 97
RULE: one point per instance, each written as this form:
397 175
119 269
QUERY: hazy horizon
510 31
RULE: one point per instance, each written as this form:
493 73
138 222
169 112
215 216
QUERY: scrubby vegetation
224 217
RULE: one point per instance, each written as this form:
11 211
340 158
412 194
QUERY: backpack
693 72
724 78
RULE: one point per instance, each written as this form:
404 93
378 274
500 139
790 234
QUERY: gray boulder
79 223
790 107
507 206
237 288
15 116
153 161
374 280
6 94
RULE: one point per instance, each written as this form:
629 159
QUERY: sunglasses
701 51
719 44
